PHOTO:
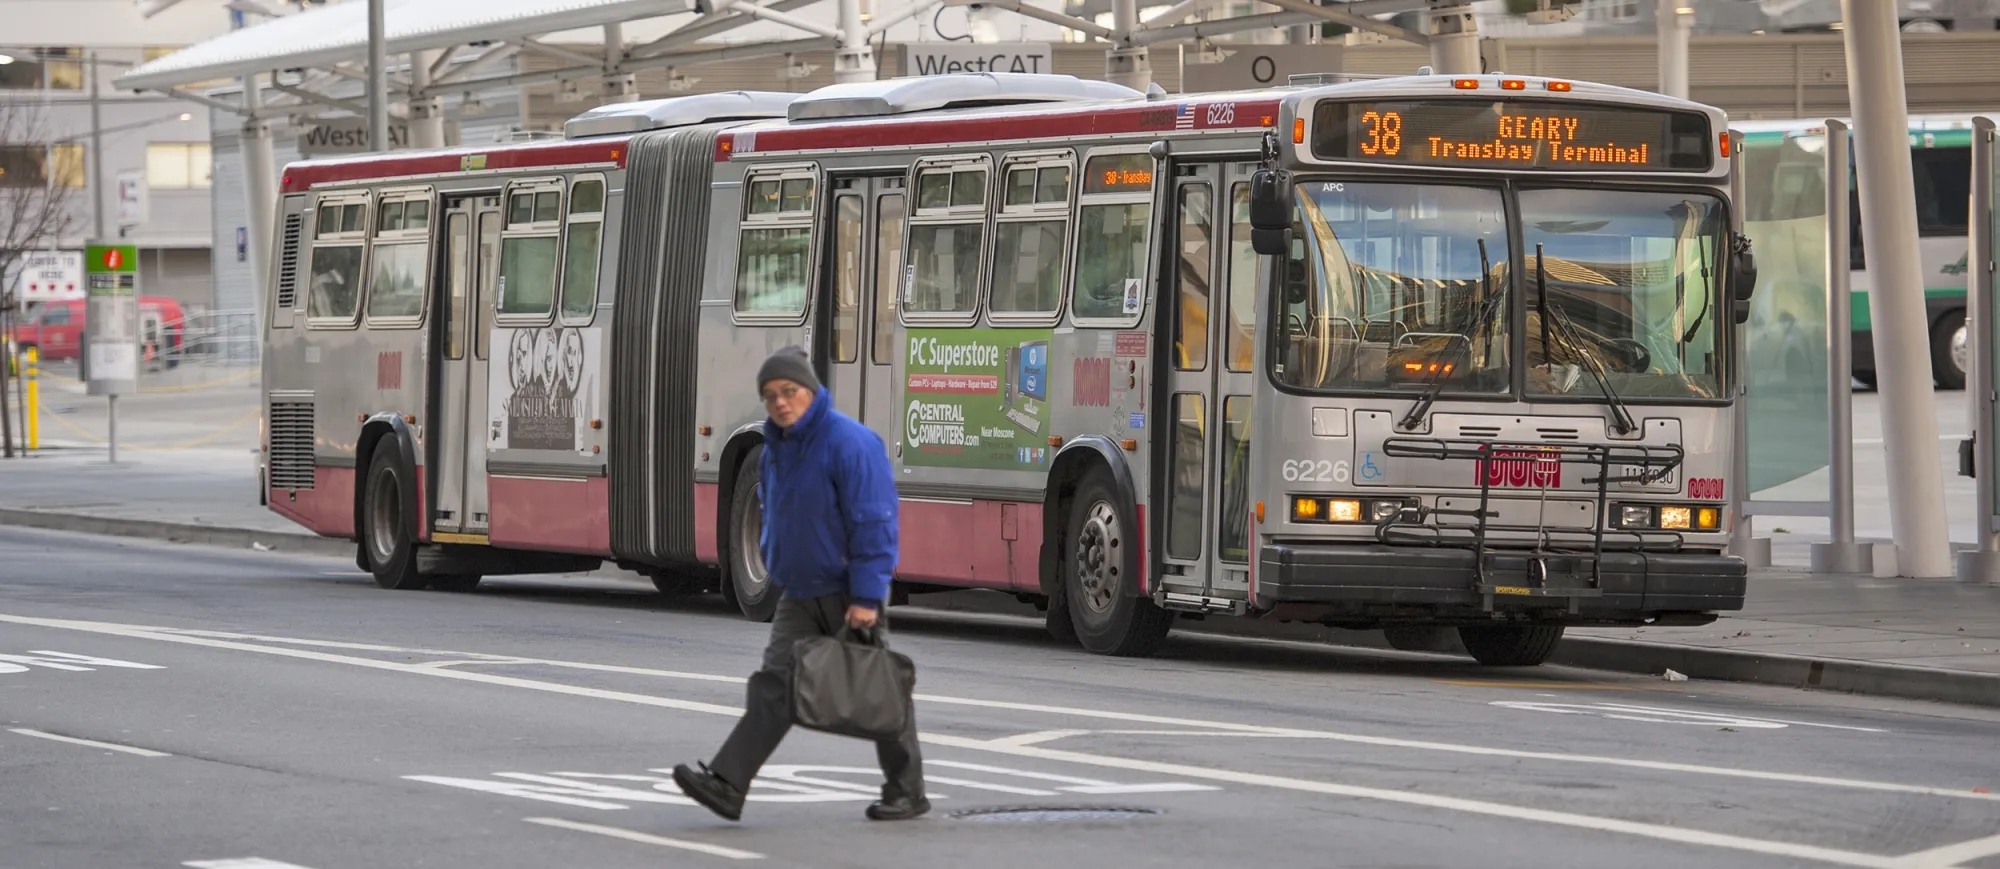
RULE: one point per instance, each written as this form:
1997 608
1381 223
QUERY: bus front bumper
1373 582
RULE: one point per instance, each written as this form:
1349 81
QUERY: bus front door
1207 340
472 241
859 322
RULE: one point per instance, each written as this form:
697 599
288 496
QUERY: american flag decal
1184 118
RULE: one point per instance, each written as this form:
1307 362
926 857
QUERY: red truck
56 328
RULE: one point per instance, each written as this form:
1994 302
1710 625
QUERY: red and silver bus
1409 353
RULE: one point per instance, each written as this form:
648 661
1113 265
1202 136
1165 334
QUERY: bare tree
37 179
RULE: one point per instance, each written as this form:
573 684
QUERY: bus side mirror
1742 276
1270 211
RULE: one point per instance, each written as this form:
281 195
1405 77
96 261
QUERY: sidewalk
1932 640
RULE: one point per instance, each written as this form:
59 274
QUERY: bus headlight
1708 518
1319 510
1635 516
1676 518
1667 517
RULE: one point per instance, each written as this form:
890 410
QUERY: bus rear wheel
749 583
1099 566
387 544
1510 645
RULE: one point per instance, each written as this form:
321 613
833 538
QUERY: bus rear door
472 242
861 323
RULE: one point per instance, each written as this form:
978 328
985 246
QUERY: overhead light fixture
6 59
187 116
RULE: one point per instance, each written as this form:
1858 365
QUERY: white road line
1747 717
1587 822
241 863
1039 736
142 752
216 640
1952 855
647 838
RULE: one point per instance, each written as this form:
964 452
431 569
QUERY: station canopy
339 33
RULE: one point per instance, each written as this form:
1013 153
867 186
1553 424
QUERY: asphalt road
178 706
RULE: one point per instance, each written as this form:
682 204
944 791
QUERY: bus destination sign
1512 134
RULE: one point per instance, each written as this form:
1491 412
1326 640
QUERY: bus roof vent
638 117
922 93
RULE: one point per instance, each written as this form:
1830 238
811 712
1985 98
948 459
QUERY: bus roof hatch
638 117
897 96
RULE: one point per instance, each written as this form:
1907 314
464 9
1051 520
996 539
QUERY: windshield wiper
1565 328
1435 384
1707 300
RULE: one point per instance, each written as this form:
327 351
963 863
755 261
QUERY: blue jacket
830 507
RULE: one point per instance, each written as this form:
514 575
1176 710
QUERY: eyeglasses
787 391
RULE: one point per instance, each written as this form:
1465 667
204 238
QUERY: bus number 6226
1314 471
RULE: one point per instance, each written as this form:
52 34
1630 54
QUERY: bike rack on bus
1413 525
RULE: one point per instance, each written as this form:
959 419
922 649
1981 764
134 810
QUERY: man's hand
859 616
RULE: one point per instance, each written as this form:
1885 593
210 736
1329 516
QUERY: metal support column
854 59
1455 42
1673 20
426 109
96 184
1127 63
1896 302
260 175
619 87
1842 555
1982 564
378 80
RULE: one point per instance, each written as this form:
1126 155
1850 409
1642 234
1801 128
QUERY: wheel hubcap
1961 348
1099 557
753 579
386 514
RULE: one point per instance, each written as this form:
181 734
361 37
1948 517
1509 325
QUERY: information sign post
111 326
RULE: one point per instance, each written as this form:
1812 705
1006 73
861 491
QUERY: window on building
23 166
33 69
178 165
66 165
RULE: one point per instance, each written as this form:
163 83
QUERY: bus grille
288 262
291 445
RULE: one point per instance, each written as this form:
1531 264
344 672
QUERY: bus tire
1510 645
1949 350
1056 618
386 541
1099 563
749 583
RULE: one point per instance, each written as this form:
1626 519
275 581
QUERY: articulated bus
1783 179
1418 353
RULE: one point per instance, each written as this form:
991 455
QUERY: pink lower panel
706 496
423 509
326 509
984 544
571 516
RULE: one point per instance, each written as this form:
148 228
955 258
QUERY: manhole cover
1053 813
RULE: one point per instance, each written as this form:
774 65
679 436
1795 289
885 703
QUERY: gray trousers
767 716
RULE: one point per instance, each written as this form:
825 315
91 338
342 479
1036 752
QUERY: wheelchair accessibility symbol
1369 470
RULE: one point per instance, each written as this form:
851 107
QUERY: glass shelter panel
1785 362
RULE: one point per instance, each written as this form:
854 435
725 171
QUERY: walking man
829 545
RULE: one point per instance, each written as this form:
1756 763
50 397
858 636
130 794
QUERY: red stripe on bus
965 545
423 509
706 497
300 177
1153 117
572 516
326 509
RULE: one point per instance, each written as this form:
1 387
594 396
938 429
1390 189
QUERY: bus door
859 315
472 241
1208 360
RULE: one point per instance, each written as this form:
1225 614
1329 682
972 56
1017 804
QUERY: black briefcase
852 684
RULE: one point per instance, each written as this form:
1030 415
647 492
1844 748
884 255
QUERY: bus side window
529 251
583 243
947 240
1943 181
771 264
399 273
340 240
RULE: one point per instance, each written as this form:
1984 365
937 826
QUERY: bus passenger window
1242 281
771 266
333 290
396 289
580 257
1111 237
947 238
528 252
1028 242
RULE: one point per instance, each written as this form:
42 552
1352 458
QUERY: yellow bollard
32 377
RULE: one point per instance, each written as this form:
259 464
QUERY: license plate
1633 472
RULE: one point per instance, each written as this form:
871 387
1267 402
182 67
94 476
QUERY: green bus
1785 196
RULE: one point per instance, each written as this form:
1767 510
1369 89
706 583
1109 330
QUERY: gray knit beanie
790 364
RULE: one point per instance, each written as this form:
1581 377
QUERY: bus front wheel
1951 350
1099 568
749 582
1510 645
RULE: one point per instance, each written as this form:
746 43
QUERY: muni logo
1523 469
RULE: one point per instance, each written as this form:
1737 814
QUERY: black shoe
710 790
898 809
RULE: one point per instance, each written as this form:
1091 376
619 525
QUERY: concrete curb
1590 653
176 532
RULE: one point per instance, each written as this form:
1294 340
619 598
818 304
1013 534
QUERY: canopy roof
339 33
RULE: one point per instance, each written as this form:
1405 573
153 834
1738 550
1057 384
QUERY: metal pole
1842 555
1898 321
1455 42
1983 563
112 404
1125 62
854 60
1672 21
426 110
96 151
378 80
259 175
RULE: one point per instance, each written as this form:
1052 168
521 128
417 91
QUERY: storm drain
1044 814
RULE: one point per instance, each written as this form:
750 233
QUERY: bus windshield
1395 287
1631 285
